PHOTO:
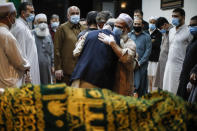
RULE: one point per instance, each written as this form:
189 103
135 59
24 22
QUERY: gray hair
103 16
68 10
55 16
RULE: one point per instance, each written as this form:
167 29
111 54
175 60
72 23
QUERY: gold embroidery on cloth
59 123
39 106
56 108
44 108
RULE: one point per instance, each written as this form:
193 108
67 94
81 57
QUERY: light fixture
123 5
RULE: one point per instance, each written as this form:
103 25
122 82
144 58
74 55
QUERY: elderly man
126 52
13 65
64 44
143 47
26 41
44 45
179 38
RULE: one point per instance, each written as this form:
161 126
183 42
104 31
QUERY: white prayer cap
153 18
40 16
7 8
126 18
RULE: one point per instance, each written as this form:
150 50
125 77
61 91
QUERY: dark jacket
83 32
189 62
97 62
146 26
194 70
156 38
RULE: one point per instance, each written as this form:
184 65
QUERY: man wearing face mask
126 52
179 38
143 47
44 45
64 44
190 62
138 13
156 38
13 65
163 25
25 39
54 24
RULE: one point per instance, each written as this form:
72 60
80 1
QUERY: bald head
73 10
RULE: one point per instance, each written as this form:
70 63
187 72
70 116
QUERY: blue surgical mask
30 18
175 21
117 31
163 31
54 24
193 30
152 26
74 19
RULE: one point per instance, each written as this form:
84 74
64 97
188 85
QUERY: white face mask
42 26
42 30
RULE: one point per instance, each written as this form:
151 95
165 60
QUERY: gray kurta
45 57
162 60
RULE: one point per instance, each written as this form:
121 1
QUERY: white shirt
178 42
26 43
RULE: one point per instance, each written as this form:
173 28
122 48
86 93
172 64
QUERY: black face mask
137 28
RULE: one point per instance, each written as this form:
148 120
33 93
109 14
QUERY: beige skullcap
6 8
40 16
125 17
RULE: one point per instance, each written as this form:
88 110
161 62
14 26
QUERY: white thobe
28 47
178 41
12 64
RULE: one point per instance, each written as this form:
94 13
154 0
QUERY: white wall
3 1
152 8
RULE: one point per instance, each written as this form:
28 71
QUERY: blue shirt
143 46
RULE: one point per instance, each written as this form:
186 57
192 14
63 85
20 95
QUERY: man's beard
124 36
42 33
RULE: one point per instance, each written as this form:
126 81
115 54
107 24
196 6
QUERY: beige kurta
124 82
12 64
